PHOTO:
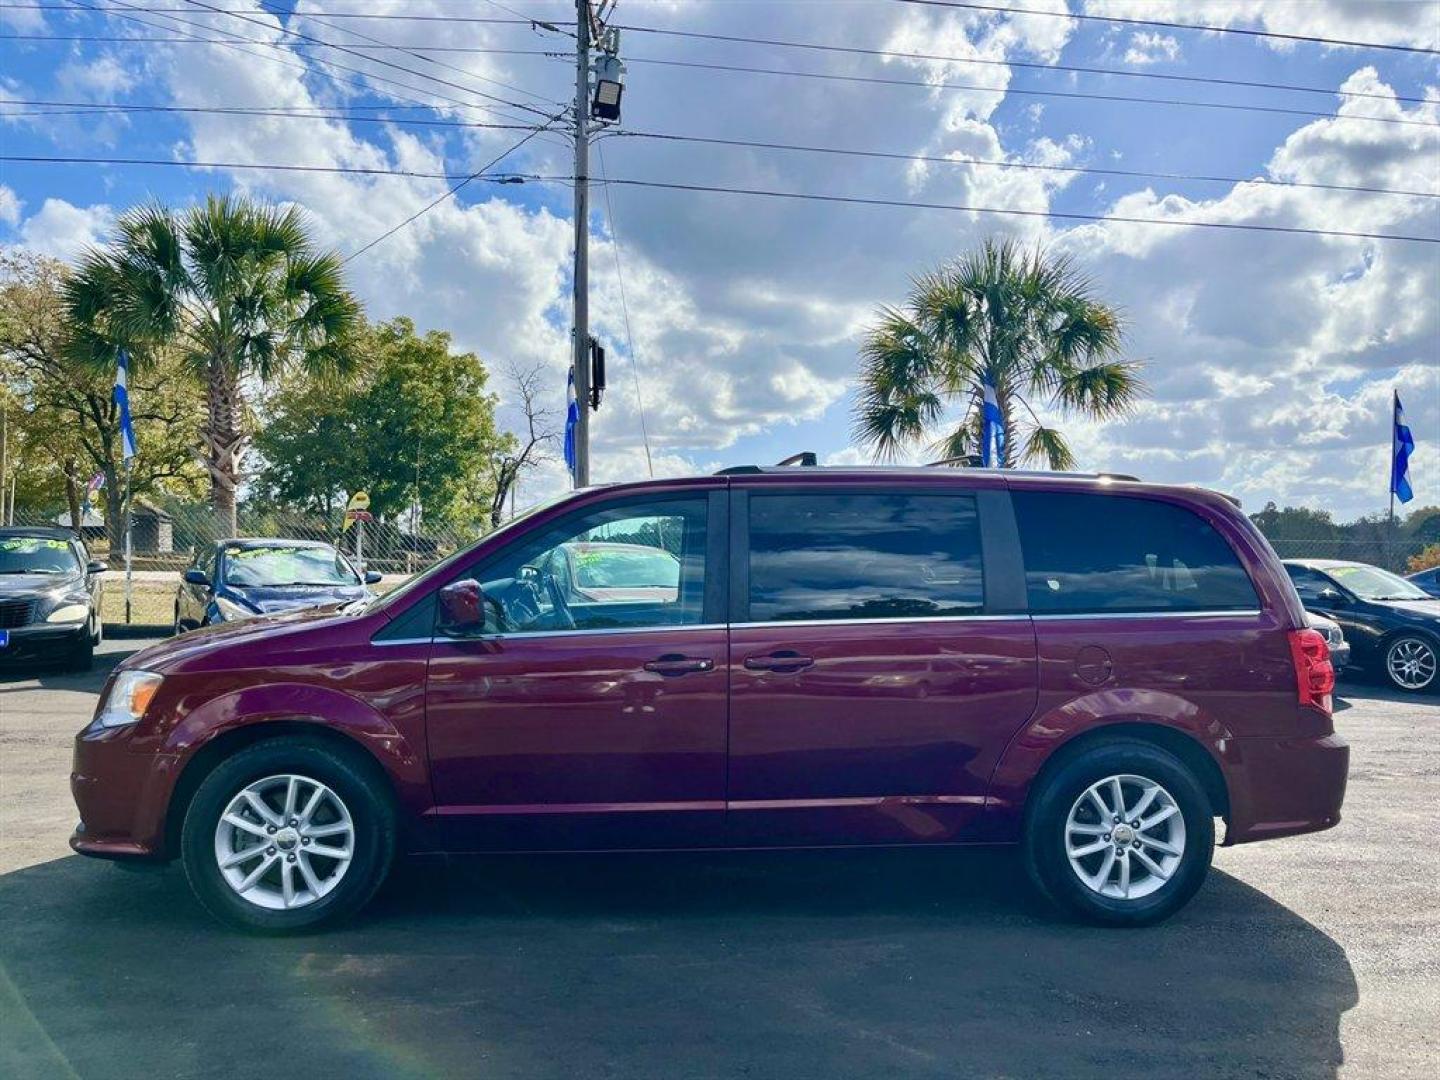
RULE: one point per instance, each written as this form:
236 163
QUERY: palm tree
238 288
1028 325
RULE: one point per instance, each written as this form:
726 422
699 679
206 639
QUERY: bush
1429 556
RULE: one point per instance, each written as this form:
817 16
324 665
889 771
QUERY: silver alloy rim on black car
1125 837
284 842
1411 663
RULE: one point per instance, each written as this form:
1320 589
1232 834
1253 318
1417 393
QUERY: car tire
295 886
1113 873
1411 663
82 654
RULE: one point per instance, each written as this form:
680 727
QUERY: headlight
234 610
69 613
130 695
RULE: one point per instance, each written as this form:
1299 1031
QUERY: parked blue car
1428 580
240 579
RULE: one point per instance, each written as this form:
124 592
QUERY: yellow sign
359 501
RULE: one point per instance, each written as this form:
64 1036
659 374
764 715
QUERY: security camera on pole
605 107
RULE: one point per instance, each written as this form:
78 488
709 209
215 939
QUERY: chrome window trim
798 623
1211 613
928 620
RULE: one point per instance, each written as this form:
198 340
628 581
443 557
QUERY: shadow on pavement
864 964
52 676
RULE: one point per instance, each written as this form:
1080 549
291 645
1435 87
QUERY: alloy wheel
284 842
1125 837
1411 663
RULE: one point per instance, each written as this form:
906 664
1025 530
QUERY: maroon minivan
1091 668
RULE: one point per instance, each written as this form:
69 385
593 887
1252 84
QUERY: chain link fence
167 533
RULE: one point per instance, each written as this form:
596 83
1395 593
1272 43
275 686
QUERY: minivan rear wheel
286 835
1120 833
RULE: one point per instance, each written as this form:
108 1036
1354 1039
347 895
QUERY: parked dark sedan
49 597
239 579
1392 625
1427 580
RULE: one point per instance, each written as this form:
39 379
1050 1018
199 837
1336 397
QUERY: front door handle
785 661
675 664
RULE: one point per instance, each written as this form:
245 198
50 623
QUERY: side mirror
372 577
1333 596
95 566
195 576
462 608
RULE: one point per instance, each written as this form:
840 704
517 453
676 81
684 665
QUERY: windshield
281 566
1372 583
601 567
36 555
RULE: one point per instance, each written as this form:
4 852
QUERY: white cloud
1151 48
10 206
64 231
1396 23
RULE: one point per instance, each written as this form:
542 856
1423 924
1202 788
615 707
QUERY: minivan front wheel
287 834
1121 833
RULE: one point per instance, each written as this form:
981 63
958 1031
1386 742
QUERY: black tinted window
863 556
1111 553
1308 583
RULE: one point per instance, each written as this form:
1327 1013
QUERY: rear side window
863 556
1098 553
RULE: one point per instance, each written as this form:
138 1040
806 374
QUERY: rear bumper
122 795
1282 787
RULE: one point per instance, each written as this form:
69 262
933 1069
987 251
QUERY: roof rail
805 459
966 461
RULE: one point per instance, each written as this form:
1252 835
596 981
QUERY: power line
358 76
374 41
855 50
513 178
119 39
371 59
1062 215
272 166
625 311
1070 94
436 202
1022 165
1174 25
848 50
78 108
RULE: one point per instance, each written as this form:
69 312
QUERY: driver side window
634 566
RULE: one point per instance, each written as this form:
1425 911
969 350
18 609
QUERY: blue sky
1270 358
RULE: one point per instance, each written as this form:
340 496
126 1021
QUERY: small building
152 529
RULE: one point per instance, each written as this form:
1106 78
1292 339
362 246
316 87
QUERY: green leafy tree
237 289
67 425
416 427
1028 324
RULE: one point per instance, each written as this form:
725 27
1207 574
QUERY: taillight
1314 674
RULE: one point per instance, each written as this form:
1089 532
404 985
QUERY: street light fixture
608 87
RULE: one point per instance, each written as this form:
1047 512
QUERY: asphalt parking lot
1311 957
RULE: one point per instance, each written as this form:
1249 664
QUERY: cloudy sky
1270 356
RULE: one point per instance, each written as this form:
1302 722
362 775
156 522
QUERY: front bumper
1282 787
43 641
122 795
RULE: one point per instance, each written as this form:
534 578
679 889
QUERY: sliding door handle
779 661
675 664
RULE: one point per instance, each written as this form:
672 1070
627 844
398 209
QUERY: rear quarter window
1111 553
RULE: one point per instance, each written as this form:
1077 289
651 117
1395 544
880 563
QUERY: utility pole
580 345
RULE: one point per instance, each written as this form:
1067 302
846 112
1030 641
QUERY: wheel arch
1191 752
224 744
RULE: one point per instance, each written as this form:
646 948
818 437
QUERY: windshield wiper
24 571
